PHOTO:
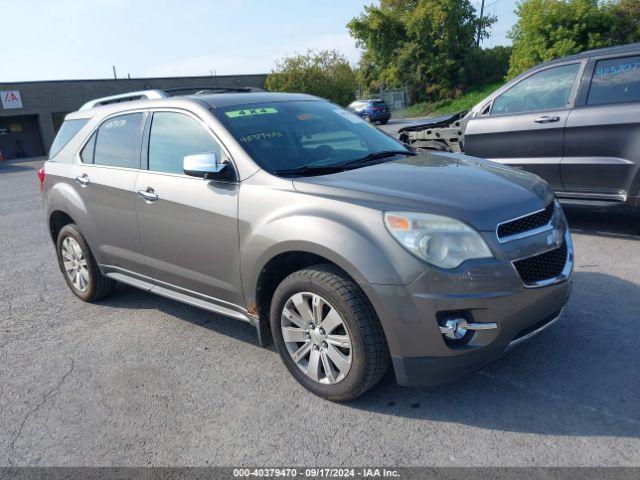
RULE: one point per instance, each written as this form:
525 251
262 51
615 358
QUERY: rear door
104 179
524 125
602 139
188 225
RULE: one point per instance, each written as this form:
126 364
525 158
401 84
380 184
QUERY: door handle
83 180
547 119
148 195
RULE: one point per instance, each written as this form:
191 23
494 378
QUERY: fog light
454 328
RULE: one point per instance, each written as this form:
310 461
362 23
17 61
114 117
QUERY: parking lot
141 380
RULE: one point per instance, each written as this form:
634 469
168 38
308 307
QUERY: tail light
41 177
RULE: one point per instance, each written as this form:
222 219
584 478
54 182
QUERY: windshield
290 135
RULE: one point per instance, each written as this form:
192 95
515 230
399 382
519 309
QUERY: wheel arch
57 220
281 264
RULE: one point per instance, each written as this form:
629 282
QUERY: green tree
547 29
626 15
325 73
423 44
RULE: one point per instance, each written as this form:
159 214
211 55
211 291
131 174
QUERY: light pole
480 23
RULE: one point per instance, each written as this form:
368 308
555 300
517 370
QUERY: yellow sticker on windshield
248 112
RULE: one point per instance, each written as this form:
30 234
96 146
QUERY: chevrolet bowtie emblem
554 238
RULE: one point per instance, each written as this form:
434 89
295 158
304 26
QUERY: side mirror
204 165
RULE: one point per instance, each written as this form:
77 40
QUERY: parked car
574 121
350 250
374 110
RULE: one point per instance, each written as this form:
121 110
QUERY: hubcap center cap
316 337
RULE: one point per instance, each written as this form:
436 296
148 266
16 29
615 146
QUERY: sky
79 39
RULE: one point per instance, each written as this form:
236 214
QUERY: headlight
441 241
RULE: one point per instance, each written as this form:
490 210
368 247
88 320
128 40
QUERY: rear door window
67 131
118 141
615 80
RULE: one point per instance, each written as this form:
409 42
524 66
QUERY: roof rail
209 89
125 97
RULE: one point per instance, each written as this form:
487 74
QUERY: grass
450 105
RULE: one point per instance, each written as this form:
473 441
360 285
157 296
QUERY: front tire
327 333
79 267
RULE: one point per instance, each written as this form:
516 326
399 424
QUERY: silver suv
349 249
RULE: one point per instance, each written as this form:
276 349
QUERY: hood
436 121
478 192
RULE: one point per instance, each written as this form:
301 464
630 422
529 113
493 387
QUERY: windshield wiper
312 169
338 167
379 155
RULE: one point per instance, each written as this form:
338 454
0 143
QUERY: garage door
20 137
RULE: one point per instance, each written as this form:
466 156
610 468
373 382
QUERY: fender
363 249
62 196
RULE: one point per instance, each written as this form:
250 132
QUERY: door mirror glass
205 165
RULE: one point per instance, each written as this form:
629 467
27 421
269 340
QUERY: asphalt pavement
137 379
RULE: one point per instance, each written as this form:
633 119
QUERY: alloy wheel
75 264
316 338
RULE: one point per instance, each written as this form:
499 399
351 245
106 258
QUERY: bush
548 29
487 65
419 44
325 73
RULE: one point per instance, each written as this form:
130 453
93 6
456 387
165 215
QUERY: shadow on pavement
579 377
619 222
131 297
12 167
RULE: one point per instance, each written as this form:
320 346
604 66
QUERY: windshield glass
289 135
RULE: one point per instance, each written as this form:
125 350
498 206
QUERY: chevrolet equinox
348 249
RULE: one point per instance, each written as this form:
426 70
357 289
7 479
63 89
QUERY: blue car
374 110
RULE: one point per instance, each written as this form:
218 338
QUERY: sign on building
11 99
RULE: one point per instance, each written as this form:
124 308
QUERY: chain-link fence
395 98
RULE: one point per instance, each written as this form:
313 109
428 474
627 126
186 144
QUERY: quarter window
118 141
174 136
65 134
87 152
615 81
549 89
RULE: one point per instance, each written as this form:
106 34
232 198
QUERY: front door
188 225
524 127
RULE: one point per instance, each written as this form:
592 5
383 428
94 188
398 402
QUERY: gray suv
574 121
352 251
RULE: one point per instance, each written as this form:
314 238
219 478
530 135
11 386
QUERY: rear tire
79 268
340 302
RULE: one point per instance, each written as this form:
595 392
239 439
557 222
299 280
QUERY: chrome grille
524 224
544 266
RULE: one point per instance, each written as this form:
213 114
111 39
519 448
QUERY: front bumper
489 291
428 371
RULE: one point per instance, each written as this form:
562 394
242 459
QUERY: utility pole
480 24
114 72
